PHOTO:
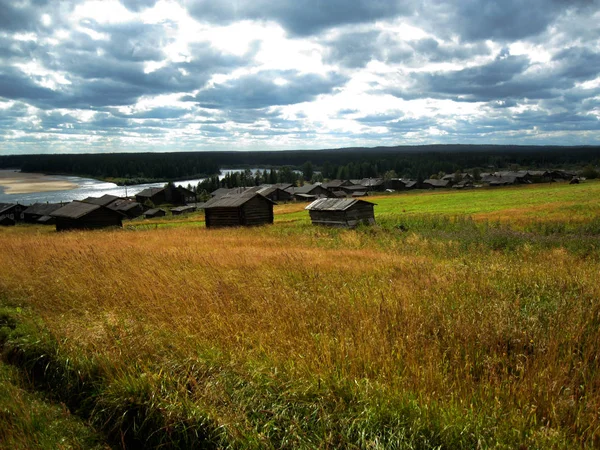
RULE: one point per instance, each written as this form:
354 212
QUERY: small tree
589 172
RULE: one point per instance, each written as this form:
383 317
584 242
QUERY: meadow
462 320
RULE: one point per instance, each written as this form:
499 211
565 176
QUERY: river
89 187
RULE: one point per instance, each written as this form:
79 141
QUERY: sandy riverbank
26 183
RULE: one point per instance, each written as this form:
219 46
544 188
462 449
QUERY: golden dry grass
509 334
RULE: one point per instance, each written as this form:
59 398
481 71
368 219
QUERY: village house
435 184
182 210
347 213
128 207
310 192
155 212
169 194
13 211
6 221
81 215
38 210
245 209
400 184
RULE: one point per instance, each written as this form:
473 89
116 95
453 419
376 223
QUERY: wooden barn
13 211
81 215
169 194
183 210
246 209
343 212
310 192
156 212
6 221
38 210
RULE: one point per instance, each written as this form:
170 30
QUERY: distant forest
417 162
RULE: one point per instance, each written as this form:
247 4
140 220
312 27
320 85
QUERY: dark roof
436 183
122 204
334 204
75 210
149 192
233 200
371 181
303 189
225 191
5 206
42 209
45 219
153 211
103 201
184 208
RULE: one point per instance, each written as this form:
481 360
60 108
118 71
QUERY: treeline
408 161
248 178
138 167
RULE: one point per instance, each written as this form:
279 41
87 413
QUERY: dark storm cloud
300 18
260 90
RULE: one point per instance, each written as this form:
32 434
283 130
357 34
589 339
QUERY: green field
463 319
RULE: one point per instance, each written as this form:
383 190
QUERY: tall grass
424 331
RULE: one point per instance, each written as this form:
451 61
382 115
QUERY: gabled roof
149 192
103 201
5 206
306 189
233 201
75 210
153 211
334 204
42 209
123 204
372 181
436 183
184 208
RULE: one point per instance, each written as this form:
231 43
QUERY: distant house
274 193
399 184
155 212
125 206
344 212
183 210
245 209
6 221
13 211
81 215
435 184
333 184
373 184
170 194
309 192
38 210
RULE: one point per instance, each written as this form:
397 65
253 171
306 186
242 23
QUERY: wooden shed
155 212
13 211
6 221
80 215
310 192
183 210
343 212
38 210
246 209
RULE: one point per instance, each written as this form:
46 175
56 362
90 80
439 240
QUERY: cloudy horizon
110 76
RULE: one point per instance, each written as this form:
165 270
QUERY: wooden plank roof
334 204
75 210
42 209
103 201
233 200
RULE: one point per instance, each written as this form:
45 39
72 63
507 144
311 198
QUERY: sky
148 75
